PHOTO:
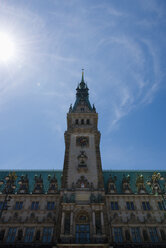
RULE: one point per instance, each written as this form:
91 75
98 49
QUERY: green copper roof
106 174
119 174
82 95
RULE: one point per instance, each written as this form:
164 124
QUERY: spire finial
82 75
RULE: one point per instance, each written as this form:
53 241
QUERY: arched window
82 122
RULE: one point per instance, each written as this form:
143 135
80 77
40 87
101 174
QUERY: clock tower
82 192
82 140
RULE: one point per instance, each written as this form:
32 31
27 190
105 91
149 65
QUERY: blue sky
122 47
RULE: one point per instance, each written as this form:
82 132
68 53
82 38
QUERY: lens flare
7 47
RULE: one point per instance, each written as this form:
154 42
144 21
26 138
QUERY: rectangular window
29 234
146 206
11 234
130 205
114 206
50 205
47 234
118 234
35 205
1 205
161 205
153 234
135 232
18 205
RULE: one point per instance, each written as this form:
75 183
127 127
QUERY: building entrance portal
82 233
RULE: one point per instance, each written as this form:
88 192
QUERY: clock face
82 141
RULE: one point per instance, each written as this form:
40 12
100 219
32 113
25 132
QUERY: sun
7 47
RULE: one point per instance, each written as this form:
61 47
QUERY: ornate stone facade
82 206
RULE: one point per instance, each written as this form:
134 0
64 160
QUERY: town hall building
82 205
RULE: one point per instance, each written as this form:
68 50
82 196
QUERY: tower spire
82 80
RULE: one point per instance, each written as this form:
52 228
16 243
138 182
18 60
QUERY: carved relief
82 183
82 159
82 218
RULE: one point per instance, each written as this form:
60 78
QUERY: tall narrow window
98 223
50 205
146 206
135 232
87 121
127 235
47 234
82 121
114 205
118 234
145 235
20 235
76 121
11 234
161 205
67 223
29 234
35 205
130 205
163 236
38 235
18 205
153 234
2 234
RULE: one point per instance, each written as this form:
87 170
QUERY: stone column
62 223
94 222
102 222
71 222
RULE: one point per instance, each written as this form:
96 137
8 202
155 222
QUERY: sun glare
7 47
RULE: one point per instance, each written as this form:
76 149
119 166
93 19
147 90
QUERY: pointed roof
82 95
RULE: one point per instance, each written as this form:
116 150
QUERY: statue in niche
38 187
111 184
24 184
82 159
53 186
126 184
70 109
140 184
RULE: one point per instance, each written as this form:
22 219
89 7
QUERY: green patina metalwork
45 174
82 95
